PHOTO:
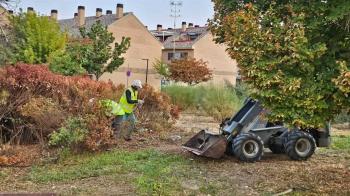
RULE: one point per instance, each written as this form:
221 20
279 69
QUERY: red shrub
40 101
35 94
157 112
190 71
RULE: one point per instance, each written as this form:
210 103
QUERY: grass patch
3 174
209 189
341 143
155 172
217 101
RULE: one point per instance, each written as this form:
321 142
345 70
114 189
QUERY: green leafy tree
295 55
36 37
98 56
5 54
63 62
162 69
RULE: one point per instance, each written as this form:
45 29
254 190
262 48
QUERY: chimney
119 12
30 10
196 26
10 12
54 14
81 15
190 25
98 12
159 27
108 12
183 26
146 27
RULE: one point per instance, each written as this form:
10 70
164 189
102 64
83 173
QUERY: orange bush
190 71
39 101
157 110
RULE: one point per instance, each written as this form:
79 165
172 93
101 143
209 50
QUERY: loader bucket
207 145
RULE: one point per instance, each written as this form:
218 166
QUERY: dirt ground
326 173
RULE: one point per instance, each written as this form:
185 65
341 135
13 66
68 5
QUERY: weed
155 171
217 101
343 117
3 174
209 189
73 132
341 143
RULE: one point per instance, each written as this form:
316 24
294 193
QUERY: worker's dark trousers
117 125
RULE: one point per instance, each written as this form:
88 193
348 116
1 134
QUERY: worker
125 110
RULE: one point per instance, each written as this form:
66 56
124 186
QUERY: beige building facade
197 42
144 47
4 24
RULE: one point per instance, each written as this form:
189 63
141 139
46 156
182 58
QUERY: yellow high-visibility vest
113 107
127 107
117 109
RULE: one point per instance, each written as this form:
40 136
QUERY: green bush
5 55
72 133
63 63
217 101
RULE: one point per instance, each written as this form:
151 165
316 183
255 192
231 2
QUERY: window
184 55
192 36
170 56
178 55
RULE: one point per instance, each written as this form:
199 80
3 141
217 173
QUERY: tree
63 62
5 54
190 71
162 69
36 37
295 55
98 56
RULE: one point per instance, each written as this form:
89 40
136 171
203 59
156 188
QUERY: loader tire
276 149
229 149
248 147
300 145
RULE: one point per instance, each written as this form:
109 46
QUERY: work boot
127 138
116 133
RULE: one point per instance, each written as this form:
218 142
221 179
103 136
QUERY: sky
150 12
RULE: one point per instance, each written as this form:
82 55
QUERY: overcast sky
150 12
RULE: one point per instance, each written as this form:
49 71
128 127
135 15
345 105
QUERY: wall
3 17
224 68
143 45
166 51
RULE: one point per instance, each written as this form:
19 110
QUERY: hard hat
137 83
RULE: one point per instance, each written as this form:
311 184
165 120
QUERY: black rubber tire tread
276 149
229 150
293 137
237 147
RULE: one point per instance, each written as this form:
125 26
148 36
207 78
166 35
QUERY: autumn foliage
35 103
158 112
296 64
190 71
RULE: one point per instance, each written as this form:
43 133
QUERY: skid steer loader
247 133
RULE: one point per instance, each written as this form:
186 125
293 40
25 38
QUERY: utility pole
146 69
175 13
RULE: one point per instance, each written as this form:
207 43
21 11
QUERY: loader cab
244 119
